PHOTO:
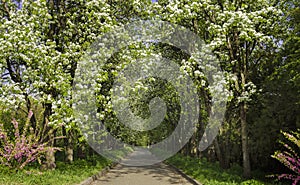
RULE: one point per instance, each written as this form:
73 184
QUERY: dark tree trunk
244 133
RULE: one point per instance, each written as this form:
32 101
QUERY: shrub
290 157
23 148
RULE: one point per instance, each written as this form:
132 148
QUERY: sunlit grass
209 173
64 173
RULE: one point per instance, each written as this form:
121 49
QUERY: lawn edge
189 178
96 176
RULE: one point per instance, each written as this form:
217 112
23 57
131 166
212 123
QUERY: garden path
157 174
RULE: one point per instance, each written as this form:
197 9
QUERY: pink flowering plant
24 148
290 157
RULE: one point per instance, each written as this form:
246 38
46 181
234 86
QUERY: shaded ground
158 174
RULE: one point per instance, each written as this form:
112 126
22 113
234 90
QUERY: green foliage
40 44
277 106
140 95
42 41
64 174
210 173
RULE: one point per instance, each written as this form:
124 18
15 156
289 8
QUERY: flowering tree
40 44
241 34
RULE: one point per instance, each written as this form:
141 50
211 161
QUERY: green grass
63 174
209 173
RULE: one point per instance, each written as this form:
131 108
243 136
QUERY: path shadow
130 170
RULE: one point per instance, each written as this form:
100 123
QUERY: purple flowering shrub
23 148
290 157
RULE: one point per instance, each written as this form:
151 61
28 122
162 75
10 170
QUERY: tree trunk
50 160
50 154
194 148
221 157
69 150
244 133
82 152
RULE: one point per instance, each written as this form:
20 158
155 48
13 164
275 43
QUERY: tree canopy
256 42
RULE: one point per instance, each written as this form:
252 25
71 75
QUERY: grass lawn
209 173
63 174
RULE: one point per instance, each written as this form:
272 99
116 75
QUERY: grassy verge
211 174
64 174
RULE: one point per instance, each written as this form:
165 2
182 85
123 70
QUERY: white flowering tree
241 34
40 44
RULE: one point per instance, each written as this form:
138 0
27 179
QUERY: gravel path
158 174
